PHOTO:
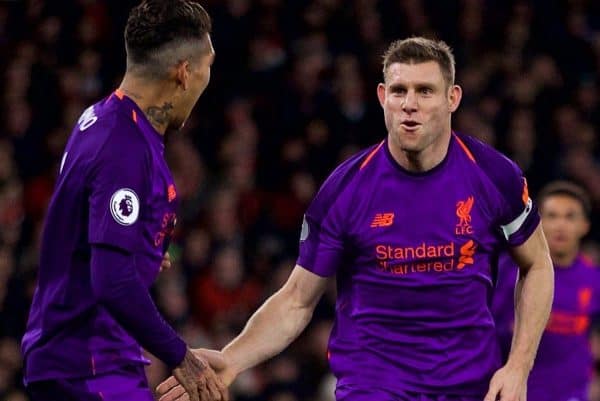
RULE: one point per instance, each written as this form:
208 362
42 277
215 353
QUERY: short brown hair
569 189
420 50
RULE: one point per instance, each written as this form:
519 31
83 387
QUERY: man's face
564 223
198 77
417 105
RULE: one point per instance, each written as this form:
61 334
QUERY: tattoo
159 116
195 364
190 372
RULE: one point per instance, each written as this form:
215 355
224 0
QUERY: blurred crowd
292 94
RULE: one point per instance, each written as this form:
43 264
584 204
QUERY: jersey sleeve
514 213
323 235
117 194
117 285
519 215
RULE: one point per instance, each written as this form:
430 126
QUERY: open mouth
410 124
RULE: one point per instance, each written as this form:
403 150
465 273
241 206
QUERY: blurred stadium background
292 94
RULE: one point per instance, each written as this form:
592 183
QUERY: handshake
203 375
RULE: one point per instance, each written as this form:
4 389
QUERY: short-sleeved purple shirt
414 255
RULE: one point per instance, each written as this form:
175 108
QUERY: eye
571 216
398 90
426 91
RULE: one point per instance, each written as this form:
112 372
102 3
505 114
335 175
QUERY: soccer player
109 224
562 370
411 228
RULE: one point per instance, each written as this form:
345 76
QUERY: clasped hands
204 375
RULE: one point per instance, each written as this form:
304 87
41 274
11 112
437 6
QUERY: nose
410 102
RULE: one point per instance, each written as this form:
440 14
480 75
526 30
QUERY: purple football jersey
563 364
503 302
413 254
129 204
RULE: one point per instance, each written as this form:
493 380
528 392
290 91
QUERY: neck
564 259
152 98
423 160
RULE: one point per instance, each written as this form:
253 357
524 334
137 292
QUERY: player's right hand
205 385
194 380
509 383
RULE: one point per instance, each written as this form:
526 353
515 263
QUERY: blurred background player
563 366
110 221
594 388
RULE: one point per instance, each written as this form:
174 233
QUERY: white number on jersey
62 162
87 119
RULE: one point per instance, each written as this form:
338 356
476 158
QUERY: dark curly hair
157 25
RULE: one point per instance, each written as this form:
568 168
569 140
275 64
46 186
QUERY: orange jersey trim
171 193
134 115
464 147
368 159
525 195
119 93
587 260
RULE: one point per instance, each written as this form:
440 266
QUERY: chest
433 215
575 300
420 230
575 293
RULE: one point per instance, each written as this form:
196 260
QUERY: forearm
117 287
533 300
277 323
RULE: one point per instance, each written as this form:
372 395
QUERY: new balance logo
383 220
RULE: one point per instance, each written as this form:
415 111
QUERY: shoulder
119 122
111 137
344 174
511 207
505 175
588 263
589 272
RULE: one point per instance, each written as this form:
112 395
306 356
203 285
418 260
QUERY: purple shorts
125 383
348 393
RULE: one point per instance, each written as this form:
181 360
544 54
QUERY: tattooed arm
199 381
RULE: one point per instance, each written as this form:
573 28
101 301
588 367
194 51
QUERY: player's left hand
508 384
166 262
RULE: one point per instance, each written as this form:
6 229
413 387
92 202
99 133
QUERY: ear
454 96
381 93
182 74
